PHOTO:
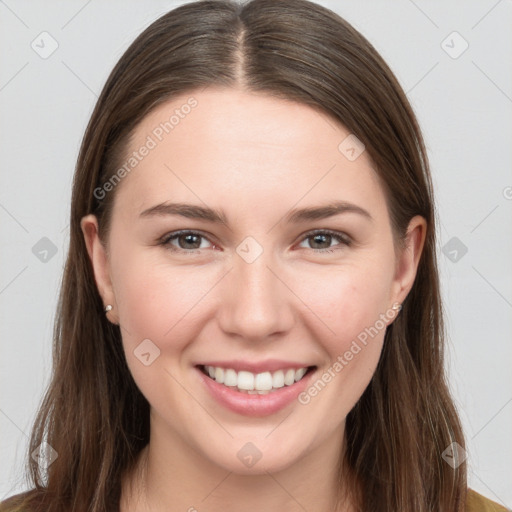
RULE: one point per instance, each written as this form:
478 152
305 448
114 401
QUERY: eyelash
342 238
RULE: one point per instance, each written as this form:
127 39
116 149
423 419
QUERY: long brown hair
93 414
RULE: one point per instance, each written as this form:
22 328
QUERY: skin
255 157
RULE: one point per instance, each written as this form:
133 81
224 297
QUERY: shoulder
23 502
13 503
477 503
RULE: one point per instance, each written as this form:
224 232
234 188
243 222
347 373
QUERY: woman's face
287 262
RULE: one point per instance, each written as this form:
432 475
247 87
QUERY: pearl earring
108 308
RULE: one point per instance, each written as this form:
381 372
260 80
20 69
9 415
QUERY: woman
250 314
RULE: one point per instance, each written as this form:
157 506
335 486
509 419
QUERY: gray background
464 104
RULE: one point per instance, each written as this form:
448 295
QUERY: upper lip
270 365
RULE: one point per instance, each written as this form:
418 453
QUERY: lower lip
254 405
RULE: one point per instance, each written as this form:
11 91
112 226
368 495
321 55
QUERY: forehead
215 142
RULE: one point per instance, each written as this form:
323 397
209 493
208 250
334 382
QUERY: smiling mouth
256 383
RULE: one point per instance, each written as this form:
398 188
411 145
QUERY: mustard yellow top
474 503
477 503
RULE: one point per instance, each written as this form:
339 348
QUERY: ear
100 263
408 259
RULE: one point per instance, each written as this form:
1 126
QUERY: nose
255 303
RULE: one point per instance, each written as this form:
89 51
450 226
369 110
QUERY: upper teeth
260 383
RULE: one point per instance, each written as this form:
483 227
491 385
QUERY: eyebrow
295 216
323 212
189 211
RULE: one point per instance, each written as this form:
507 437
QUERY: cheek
156 302
346 301
354 305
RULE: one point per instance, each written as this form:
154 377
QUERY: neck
171 476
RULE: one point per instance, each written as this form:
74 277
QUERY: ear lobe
98 257
409 258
